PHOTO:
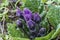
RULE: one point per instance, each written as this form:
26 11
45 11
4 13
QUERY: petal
31 24
19 12
27 17
27 11
36 17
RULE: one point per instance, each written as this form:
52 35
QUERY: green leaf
18 38
32 5
57 32
13 32
9 37
53 15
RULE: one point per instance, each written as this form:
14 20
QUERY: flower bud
19 13
31 24
27 14
36 17
19 23
27 11
42 32
27 17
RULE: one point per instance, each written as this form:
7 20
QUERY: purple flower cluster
28 15
31 21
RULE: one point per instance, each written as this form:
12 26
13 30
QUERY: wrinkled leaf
13 31
53 15
33 5
57 32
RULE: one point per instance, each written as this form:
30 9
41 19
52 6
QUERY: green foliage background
52 12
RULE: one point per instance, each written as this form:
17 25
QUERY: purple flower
19 12
19 23
31 24
27 17
42 31
27 11
27 14
36 17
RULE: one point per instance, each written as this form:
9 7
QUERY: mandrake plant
30 19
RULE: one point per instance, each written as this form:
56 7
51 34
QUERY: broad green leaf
9 37
57 32
32 5
18 38
14 32
53 15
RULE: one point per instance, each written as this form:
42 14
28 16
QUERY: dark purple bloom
27 11
19 12
27 14
27 17
42 32
31 24
36 17
19 23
